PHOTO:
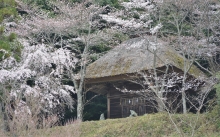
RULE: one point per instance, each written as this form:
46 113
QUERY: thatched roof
136 55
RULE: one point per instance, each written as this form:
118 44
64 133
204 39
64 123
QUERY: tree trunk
79 105
160 101
184 101
160 105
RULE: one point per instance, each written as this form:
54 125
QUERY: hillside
149 125
46 47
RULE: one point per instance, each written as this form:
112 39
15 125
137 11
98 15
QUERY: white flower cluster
126 20
138 4
156 28
44 67
125 23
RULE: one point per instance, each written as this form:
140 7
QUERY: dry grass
72 129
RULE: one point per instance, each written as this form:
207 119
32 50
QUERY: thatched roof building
123 63
133 56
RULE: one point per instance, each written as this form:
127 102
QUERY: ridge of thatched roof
135 55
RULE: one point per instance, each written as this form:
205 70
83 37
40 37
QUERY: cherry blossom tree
51 56
39 73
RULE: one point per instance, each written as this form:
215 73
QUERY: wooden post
108 106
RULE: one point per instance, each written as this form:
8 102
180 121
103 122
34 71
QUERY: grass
138 126
150 125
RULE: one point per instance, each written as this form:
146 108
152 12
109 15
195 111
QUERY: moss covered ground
149 125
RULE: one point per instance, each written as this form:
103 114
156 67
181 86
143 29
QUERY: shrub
7 3
136 16
9 46
120 37
7 9
1 30
5 49
112 3
12 37
102 47
4 45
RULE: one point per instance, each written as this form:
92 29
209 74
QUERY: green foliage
16 49
150 125
139 9
74 1
45 5
7 3
4 45
12 37
10 46
173 19
102 47
7 9
170 28
214 116
120 37
112 3
42 3
136 16
154 125
106 45
217 87
1 30
207 32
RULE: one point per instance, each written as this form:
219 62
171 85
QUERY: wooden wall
120 104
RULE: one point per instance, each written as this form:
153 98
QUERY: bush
12 37
102 47
7 3
4 45
9 46
7 9
1 30
112 3
168 15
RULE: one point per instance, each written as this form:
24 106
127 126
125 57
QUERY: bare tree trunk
158 90
183 87
184 101
79 105
160 104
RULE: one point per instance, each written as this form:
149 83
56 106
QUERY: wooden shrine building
117 74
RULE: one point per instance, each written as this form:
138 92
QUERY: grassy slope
152 125
147 125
